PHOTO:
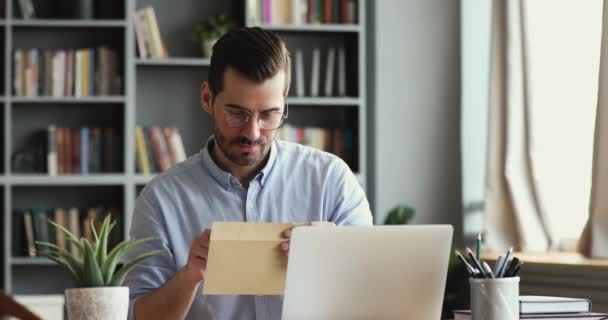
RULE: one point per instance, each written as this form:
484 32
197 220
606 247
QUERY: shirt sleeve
349 201
151 273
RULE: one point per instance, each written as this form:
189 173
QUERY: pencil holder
495 299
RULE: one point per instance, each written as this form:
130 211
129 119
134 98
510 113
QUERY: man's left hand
287 233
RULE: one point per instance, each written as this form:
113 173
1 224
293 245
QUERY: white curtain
514 214
594 241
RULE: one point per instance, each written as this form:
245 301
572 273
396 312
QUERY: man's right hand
197 257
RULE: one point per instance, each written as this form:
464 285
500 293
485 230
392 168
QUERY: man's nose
251 129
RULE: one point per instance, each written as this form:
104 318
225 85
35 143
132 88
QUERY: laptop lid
367 272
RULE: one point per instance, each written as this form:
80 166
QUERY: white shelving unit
162 92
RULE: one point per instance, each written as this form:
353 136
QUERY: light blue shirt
297 184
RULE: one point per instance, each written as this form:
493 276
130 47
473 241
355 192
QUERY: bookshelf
146 98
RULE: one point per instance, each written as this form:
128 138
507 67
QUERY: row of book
335 140
157 149
81 150
31 225
66 73
301 11
334 81
150 43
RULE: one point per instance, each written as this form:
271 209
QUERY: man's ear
206 97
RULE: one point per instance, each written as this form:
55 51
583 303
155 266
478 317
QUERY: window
563 38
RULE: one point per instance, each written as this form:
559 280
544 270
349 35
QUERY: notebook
546 304
466 315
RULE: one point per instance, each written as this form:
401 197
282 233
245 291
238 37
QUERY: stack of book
545 307
301 11
81 150
150 42
66 73
31 225
336 140
158 149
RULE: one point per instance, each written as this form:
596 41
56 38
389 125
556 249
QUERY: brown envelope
246 258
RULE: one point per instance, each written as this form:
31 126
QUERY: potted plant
399 215
97 273
208 31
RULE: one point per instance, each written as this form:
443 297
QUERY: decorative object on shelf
85 9
399 215
97 273
207 31
26 7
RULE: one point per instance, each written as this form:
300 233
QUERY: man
242 174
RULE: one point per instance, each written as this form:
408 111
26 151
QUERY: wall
415 105
475 34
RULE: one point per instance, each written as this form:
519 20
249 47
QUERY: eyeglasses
268 120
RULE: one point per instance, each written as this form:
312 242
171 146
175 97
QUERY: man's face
247 145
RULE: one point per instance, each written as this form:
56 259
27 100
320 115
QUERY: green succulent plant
212 28
94 266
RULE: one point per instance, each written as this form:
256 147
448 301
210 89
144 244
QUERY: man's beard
243 159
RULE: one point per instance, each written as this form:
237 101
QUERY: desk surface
569 259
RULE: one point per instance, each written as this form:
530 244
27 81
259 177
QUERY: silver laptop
379 272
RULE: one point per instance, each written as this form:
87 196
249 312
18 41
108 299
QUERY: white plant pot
104 303
207 47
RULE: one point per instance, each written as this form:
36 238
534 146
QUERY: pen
516 271
511 267
497 264
475 262
502 268
478 247
462 259
487 269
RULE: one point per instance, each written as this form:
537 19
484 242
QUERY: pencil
475 262
501 271
488 270
478 247
462 259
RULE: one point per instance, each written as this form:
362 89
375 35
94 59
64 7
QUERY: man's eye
237 113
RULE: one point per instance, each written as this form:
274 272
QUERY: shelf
92 180
312 27
324 101
57 23
174 62
27 261
141 179
91 99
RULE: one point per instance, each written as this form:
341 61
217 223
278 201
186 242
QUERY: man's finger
287 233
285 245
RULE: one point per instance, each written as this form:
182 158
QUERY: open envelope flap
248 231
245 258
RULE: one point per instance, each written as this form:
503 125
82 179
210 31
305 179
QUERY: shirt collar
224 178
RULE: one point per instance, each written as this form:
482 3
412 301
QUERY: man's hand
287 233
197 257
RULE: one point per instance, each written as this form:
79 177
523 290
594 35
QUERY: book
341 71
546 304
60 219
74 227
300 85
143 165
466 315
329 76
28 224
138 21
84 150
51 159
314 81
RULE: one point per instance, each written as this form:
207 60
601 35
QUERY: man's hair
255 53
